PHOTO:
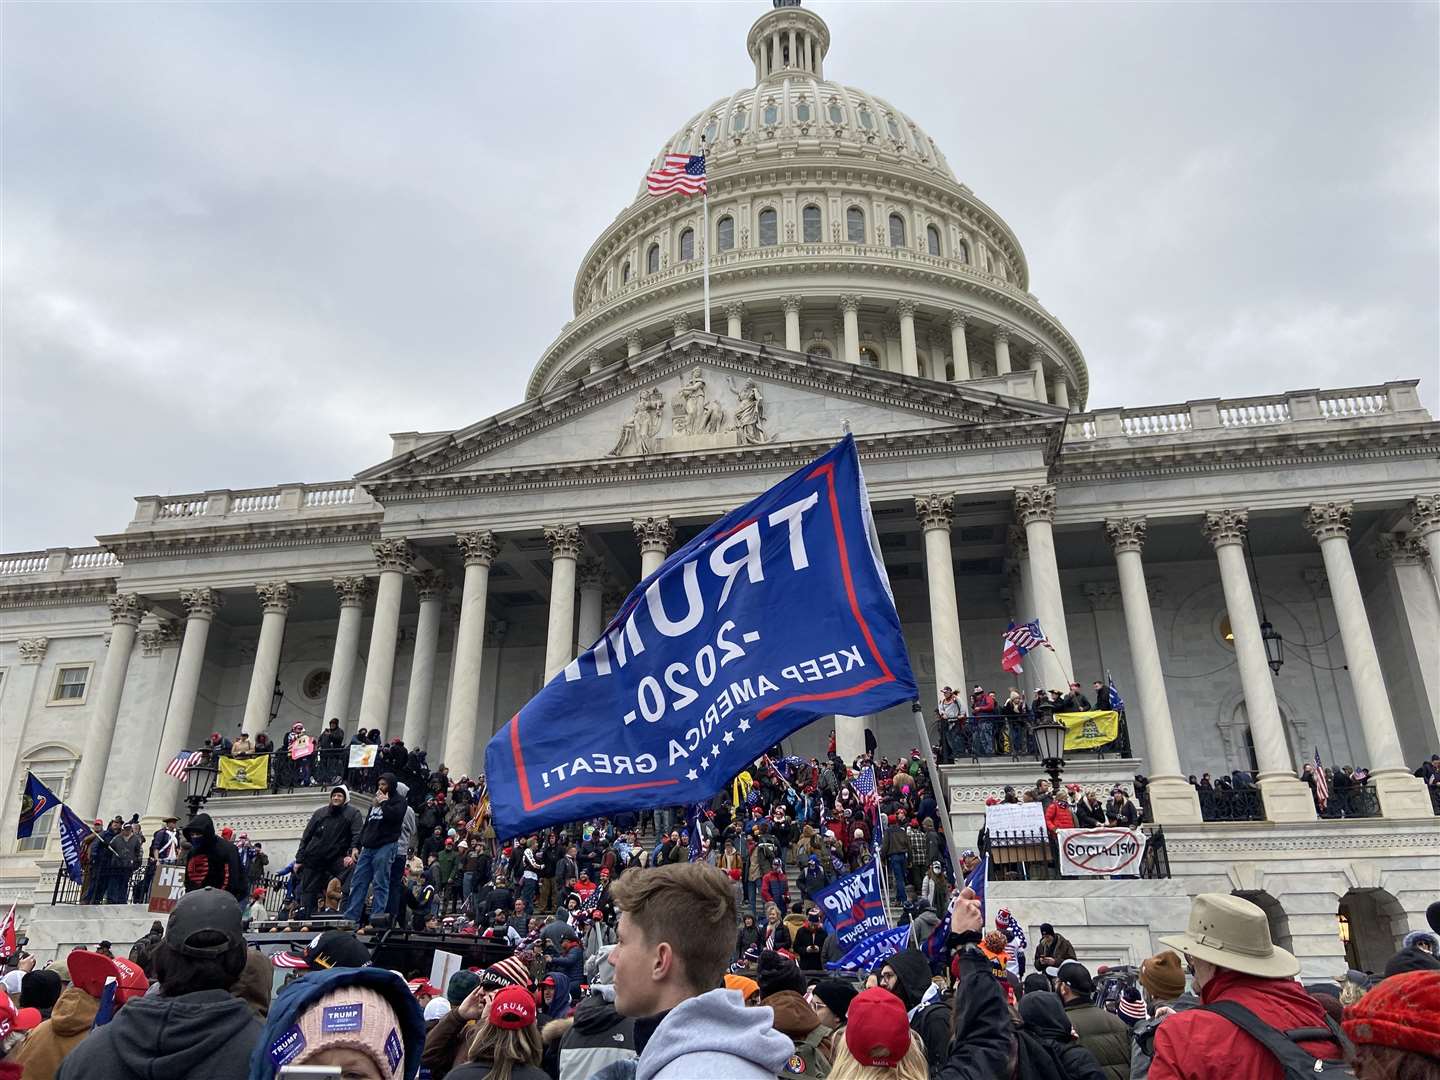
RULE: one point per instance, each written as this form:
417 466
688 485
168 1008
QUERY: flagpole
704 153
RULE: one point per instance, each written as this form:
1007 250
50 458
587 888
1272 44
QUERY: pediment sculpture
697 421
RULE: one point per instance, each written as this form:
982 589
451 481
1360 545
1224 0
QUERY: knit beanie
775 973
1163 975
508 972
1403 1012
355 1018
460 986
836 995
40 989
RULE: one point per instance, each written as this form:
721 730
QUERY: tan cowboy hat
1233 933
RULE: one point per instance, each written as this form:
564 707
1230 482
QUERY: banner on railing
244 774
1087 730
1015 820
362 756
852 906
1095 852
167 886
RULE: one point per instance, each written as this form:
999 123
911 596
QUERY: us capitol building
856 285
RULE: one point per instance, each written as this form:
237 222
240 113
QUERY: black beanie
40 990
776 973
836 995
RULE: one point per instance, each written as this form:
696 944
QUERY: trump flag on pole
776 615
853 907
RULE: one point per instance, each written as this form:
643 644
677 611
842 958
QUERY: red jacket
1058 816
1199 1045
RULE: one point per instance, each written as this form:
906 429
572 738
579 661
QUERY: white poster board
1095 852
362 756
1011 818
442 967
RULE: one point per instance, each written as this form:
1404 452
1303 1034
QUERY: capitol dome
836 227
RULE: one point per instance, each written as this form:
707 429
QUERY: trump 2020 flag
72 834
852 906
776 615
873 948
35 801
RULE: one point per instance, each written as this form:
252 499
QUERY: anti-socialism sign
778 614
1092 852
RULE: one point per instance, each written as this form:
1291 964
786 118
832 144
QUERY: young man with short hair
677 927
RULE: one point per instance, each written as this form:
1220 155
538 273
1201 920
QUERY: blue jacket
295 998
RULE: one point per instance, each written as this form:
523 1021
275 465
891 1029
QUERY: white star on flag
744 725
729 737
692 776
715 751
704 763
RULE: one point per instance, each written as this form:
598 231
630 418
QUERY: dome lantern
788 40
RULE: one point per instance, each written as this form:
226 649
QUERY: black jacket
383 823
331 833
984 1043
213 861
599 1037
210 1033
1047 1023
809 944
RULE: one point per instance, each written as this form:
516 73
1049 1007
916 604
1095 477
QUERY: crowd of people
991 726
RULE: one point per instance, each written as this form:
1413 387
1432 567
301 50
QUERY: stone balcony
337 499
55 563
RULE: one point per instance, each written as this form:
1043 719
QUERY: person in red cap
878 1040
509 1043
74 1014
1396 1028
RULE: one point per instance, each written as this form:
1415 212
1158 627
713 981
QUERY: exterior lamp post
1050 749
275 699
200 784
1269 636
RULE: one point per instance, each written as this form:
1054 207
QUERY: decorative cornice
1329 520
1401 549
32 650
394 555
654 534
478 548
1425 514
352 590
735 310
790 304
1035 503
1126 533
564 541
1227 526
850 302
163 635
276 596
956 317
935 511
127 608
431 585
201 602
56 593
905 309
237 539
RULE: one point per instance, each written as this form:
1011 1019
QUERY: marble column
1286 797
1060 391
936 512
1024 593
1002 351
1419 615
126 611
395 558
1425 523
735 320
655 536
275 599
850 736
909 361
1401 795
959 351
633 343
200 608
850 310
590 574
791 306
352 592
1172 799
462 752
1035 510
565 545
1037 370
431 587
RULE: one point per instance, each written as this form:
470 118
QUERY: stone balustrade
282 499
1395 402
57 561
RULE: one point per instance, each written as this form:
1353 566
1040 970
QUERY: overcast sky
243 242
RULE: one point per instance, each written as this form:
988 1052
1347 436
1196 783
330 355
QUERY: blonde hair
911 1067
504 1048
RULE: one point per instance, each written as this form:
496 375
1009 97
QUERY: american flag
684 173
179 766
1322 786
865 785
1019 640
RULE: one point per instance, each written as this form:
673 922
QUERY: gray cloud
244 242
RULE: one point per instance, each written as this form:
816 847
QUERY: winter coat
599 1036
775 889
213 861
809 943
1045 1019
331 833
1105 1035
49 1044
479 1070
209 1033
1089 817
1123 815
796 1019
1057 948
1200 1045
1058 816
385 820
716 1037
984 1044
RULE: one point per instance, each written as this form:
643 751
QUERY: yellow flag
244 774
1087 730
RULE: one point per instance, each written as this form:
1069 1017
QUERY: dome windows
962 251
803 112
810 224
897 231
687 244
725 234
769 228
652 259
712 129
894 129
740 121
932 239
855 225
770 116
866 118
837 114
625 272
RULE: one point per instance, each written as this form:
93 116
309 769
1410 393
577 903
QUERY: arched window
725 233
837 114
932 239
53 765
625 272
687 244
652 259
867 121
962 251
771 113
869 357
740 121
855 225
769 228
897 231
802 111
810 224
894 128
711 130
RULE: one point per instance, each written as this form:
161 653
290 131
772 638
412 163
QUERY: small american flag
865 788
1322 786
684 173
1019 640
179 766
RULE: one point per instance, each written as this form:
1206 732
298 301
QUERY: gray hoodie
716 1037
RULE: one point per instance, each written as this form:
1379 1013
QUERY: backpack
1298 1063
932 1024
808 1059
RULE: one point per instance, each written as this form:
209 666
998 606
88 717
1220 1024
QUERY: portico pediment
698 395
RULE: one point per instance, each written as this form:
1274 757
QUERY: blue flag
35 801
976 880
1116 701
935 947
72 832
853 907
873 948
106 1012
776 615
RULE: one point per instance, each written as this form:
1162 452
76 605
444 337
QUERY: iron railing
133 887
999 735
1352 802
1036 855
1231 804
327 766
